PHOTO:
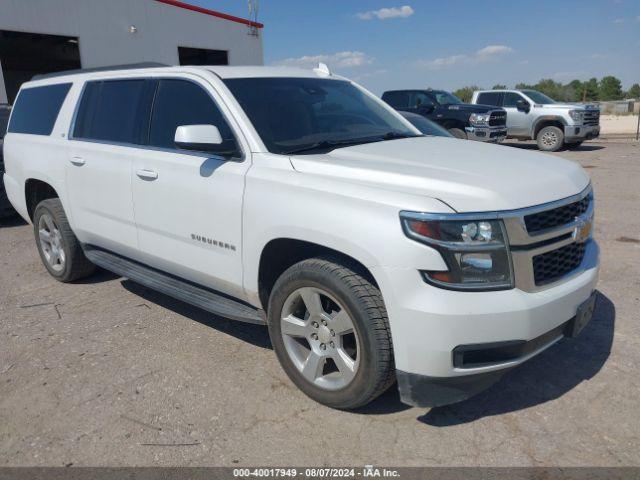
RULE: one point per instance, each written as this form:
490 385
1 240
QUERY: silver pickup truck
532 115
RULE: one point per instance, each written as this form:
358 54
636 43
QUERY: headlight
479 118
475 251
576 115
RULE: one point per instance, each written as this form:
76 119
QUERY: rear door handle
147 174
78 161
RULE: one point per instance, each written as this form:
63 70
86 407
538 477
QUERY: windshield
300 115
426 126
446 98
537 97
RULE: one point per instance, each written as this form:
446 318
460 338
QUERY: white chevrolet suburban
299 200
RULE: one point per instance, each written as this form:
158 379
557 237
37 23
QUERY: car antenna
322 70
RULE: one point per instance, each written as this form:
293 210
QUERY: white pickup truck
299 200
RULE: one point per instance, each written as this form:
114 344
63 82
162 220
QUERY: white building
42 36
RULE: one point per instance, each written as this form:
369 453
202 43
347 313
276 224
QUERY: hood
468 176
471 107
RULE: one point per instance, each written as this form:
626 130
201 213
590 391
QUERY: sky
451 43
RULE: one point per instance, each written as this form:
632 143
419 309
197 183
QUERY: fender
544 119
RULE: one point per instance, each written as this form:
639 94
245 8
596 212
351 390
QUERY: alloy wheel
51 242
320 338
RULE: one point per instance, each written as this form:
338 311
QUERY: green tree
550 88
610 88
499 86
465 93
572 91
524 86
634 91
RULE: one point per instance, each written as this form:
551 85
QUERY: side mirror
523 106
198 137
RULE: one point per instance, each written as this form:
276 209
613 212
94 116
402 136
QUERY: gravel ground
105 372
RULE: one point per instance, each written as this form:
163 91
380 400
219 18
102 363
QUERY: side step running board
201 297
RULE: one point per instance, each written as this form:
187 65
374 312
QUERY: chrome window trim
517 236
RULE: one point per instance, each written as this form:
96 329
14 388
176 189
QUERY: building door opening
23 55
202 56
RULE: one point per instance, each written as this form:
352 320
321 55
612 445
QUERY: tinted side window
419 99
489 98
511 99
397 100
113 110
36 109
180 102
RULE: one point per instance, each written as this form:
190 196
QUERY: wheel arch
35 191
547 121
281 253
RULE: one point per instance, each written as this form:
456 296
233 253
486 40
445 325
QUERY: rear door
107 131
188 204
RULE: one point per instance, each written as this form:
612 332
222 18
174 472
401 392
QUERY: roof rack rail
130 66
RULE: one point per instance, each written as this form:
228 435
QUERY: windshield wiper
397 135
329 145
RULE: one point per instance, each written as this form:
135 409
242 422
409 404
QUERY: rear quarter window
36 109
489 98
398 100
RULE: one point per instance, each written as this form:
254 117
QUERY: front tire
328 326
59 249
550 139
458 133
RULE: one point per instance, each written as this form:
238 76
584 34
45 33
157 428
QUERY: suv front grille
498 119
537 222
551 266
591 117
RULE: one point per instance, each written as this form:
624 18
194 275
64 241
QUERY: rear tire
458 133
550 139
329 328
59 249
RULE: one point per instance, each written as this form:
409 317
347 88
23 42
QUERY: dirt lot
106 372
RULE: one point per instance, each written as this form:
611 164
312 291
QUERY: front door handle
147 174
78 161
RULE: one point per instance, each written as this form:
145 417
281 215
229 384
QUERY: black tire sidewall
360 387
48 207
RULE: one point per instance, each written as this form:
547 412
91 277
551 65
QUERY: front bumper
578 133
486 134
424 391
428 324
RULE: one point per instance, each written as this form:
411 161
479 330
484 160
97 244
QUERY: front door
188 204
518 121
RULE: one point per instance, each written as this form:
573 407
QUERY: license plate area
584 313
